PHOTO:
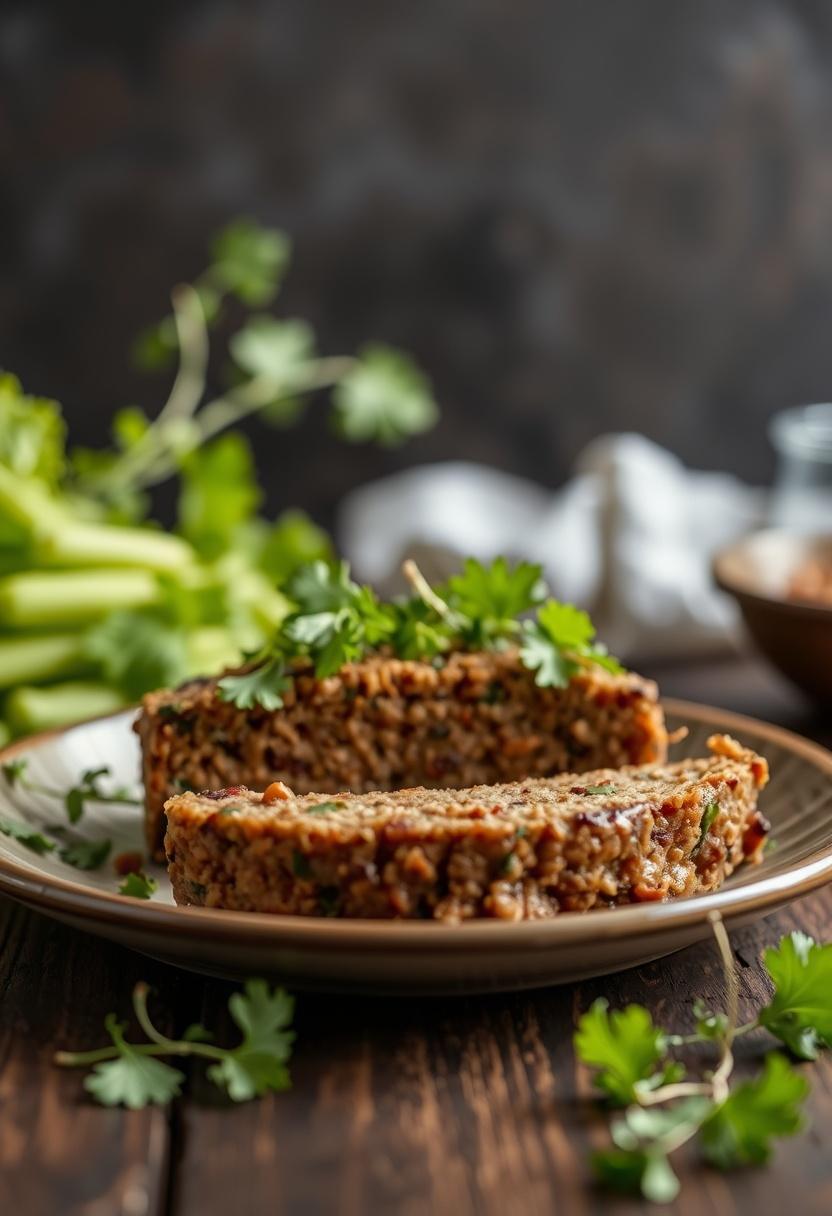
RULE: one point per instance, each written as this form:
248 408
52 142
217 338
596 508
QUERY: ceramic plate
402 956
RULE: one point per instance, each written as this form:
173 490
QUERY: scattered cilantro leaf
600 789
86 854
263 685
384 397
132 1079
27 836
138 885
130 1074
740 1130
800 1012
623 1046
259 1063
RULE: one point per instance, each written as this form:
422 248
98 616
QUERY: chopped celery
65 598
34 709
32 659
89 544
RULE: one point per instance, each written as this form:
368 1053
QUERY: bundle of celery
97 603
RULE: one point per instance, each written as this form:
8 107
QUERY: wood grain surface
459 1106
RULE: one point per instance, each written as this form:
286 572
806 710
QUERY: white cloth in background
630 537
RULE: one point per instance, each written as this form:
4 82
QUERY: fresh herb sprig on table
335 621
734 1126
133 1075
97 604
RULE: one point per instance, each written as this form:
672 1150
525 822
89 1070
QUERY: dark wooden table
470 1105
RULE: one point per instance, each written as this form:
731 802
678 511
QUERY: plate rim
61 896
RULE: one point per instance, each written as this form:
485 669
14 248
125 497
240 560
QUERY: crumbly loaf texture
387 723
521 851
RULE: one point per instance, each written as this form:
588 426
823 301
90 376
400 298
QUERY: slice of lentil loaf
389 723
518 851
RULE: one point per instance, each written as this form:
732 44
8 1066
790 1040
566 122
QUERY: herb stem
192 332
668 1093
719 1080
425 592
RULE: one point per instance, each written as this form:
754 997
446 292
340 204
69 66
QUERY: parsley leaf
538 652
800 1012
323 808
626 1049
600 789
28 836
132 1079
740 1130
138 885
492 597
558 640
86 854
259 1063
383 397
263 685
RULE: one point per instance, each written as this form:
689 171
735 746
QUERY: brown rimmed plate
403 956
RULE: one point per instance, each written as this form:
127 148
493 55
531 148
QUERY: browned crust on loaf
388 723
517 851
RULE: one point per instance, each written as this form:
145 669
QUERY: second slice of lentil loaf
518 851
388 723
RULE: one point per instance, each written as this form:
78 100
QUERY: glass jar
803 488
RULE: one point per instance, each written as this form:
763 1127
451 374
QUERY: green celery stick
32 659
34 709
85 544
59 598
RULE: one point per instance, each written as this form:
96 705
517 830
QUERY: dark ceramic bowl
796 635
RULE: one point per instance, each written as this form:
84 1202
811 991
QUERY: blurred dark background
578 216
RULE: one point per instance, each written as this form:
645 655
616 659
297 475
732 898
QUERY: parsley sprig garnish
633 1067
336 621
75 851
133 1075
87 789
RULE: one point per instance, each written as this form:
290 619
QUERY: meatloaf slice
519 851
387 723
